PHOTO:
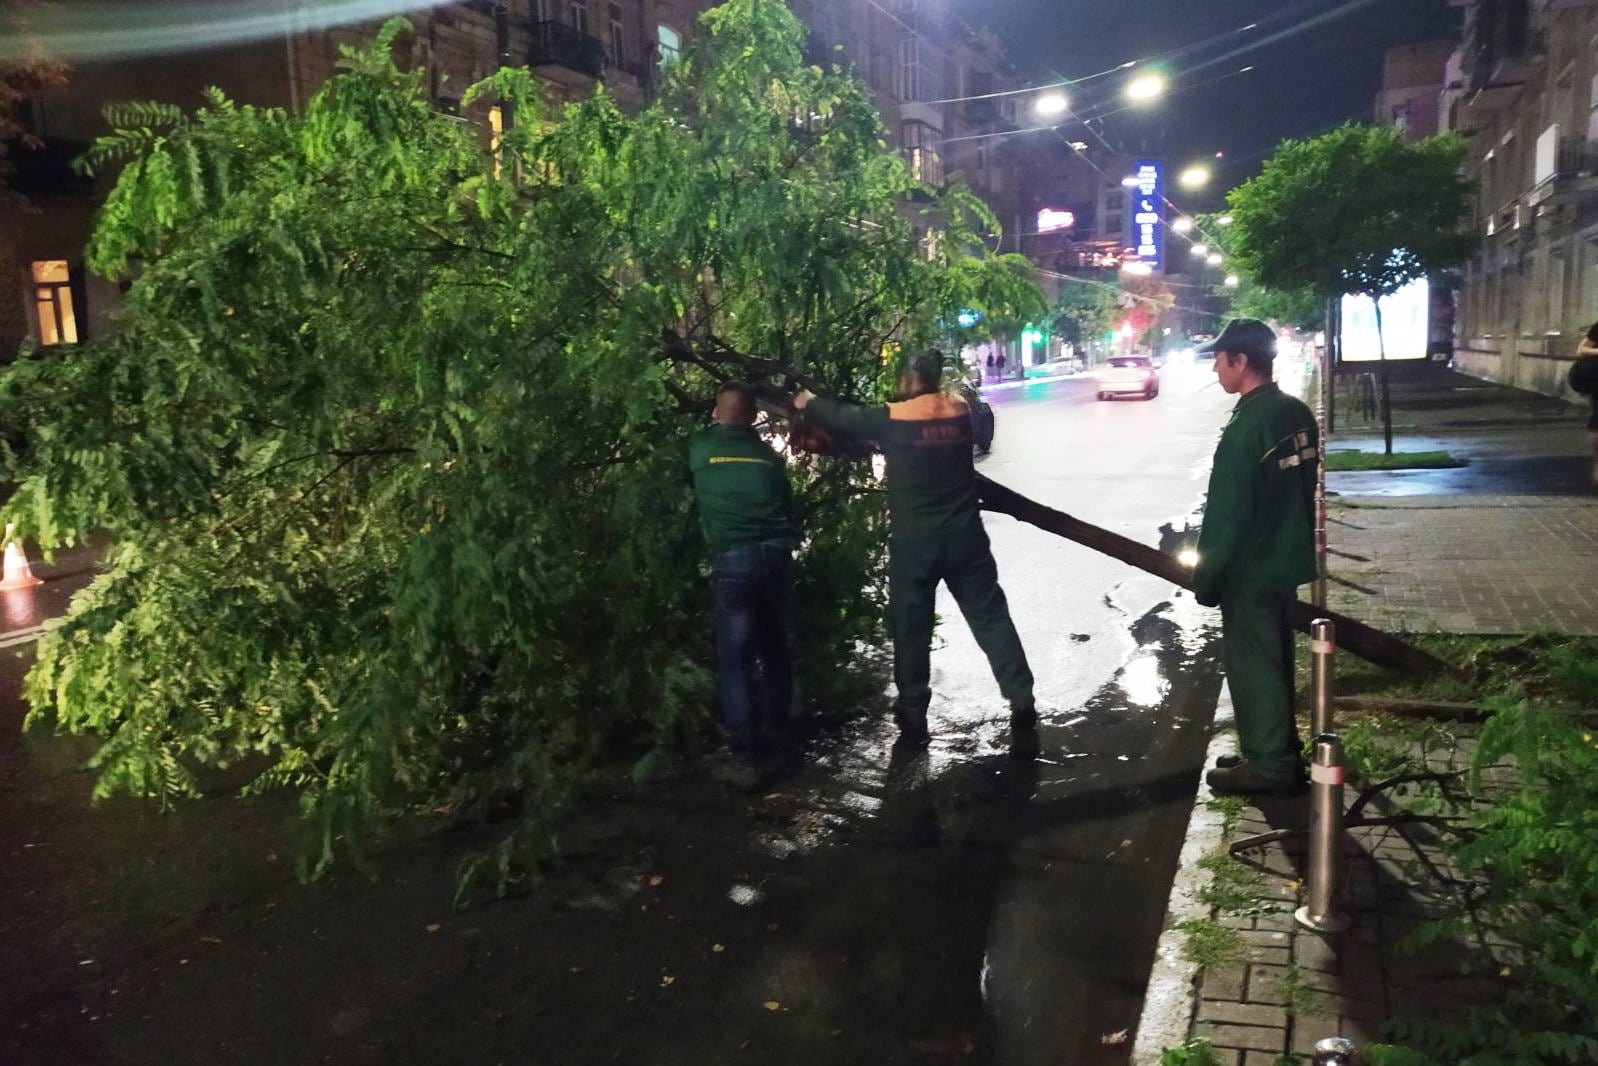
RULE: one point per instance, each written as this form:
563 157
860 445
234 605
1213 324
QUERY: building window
544 10
909 83
52 299
670 44
618 36
580 16
920 143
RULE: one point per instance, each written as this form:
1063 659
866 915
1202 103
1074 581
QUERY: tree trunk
1370 644
1387 400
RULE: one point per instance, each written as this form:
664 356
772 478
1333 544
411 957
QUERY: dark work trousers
749 596
962 559
1257 652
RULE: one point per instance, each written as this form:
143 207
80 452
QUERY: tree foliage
1303 309
1085 310
390 440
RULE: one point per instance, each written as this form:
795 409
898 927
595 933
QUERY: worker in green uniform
746 512
936 535
1257 546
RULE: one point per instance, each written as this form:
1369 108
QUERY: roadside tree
1356 210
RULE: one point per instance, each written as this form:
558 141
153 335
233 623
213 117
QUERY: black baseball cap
1243 336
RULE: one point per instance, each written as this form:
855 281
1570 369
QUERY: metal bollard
1325 838
1322 646
1335 1051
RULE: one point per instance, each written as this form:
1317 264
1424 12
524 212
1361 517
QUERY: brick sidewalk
1290 987
1484 564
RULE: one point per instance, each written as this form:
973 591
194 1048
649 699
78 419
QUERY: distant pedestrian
1001 366
1584 379
746 512
990 367
936 536
1255 549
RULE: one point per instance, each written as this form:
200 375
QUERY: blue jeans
749 598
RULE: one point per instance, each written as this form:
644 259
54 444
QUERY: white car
1128 375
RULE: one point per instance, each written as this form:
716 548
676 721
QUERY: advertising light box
1405 322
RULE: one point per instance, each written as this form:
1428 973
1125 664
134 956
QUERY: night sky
1302 84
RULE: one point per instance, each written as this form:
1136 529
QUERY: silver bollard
1322 646
1335 1051
1325 839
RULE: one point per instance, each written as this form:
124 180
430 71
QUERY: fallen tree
1352 635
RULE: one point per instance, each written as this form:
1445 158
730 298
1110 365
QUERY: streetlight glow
1214 259
1052 104
1195 177
1131 181
1231 281
1226 220
1183 225
1201 249
1147 86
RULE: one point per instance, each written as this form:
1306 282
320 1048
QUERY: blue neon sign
1146 214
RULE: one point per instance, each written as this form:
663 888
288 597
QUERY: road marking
20 636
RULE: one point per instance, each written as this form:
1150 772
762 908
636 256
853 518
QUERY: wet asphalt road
960 906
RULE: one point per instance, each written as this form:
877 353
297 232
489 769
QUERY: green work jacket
742 488
1259 517
932 483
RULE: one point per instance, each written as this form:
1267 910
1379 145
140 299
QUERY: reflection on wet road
958 905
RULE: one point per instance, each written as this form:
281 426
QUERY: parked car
1128 375
982 421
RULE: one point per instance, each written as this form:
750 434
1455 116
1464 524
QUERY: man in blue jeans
746 511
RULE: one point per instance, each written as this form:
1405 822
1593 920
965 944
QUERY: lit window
670 45
496 133
920 143
52 299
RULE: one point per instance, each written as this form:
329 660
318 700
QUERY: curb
1001 386
1170 1002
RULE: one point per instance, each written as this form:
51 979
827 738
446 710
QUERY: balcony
1567 168
556 44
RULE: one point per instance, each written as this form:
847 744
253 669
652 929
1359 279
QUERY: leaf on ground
656 881
435 927
1114 1039
772 1004
718 948
667 981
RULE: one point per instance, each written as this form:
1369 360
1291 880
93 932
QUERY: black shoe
1243 780
1024 745
1226 762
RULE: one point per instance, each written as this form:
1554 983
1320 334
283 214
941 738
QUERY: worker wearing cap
1257 546
937 535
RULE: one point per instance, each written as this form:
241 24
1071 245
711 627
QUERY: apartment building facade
1522 89
915 55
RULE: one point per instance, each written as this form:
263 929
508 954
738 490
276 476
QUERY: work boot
913 732
1024 715
1243 780
738 772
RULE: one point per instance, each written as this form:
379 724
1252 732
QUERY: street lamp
1226 220
1052 104
1214 259
1201 249
1131 181
1194 177
1147 86
1183 225
1231 281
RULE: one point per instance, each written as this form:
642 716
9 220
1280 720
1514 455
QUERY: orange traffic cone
18 574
